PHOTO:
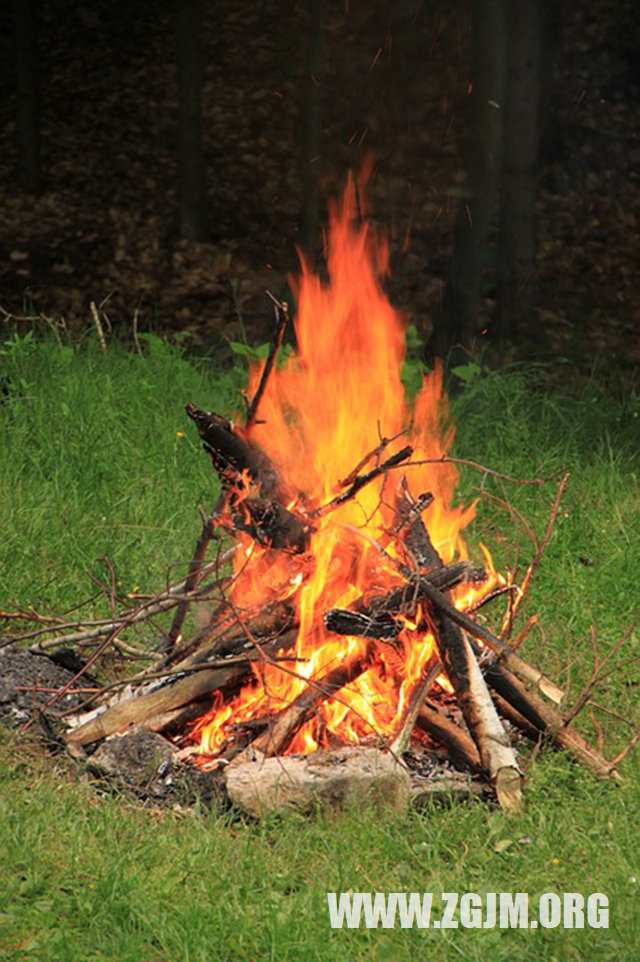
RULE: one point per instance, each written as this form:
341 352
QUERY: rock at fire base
329 778
140 759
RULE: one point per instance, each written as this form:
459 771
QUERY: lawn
97 459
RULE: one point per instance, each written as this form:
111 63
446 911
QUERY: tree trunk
28 91
191 167
482 152
310 125
521 147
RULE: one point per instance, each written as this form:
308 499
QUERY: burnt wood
239 463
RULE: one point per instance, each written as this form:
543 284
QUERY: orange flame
320 414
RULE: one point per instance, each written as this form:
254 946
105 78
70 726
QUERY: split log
138 709
479 711
283 727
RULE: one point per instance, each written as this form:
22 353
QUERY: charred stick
343 621
287 722
282 319
361 480
374 453
457 742
514 662
412 528
545 717
373 617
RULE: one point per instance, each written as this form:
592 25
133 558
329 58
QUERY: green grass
91 464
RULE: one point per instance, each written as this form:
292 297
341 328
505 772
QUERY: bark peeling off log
479 712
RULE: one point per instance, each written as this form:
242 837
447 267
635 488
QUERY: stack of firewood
490 680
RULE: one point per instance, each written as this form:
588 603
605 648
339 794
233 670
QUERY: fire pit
350 620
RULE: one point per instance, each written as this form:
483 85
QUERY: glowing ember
322 412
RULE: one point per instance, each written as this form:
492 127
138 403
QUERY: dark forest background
164 159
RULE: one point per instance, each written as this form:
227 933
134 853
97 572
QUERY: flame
321 413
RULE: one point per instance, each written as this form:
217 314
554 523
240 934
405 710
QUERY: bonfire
351 618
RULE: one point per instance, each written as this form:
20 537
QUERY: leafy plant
19 347
260 352
469 373
414 367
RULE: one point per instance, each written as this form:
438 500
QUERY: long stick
502 650
282 319
541 714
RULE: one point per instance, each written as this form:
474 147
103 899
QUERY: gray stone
329 778
141 759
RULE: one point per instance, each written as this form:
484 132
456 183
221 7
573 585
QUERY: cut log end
508 786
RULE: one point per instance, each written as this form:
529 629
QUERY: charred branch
240 463
284 726
458 743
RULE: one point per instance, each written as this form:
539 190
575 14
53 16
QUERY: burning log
343 621
138 710
238 461
372 617
282 729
